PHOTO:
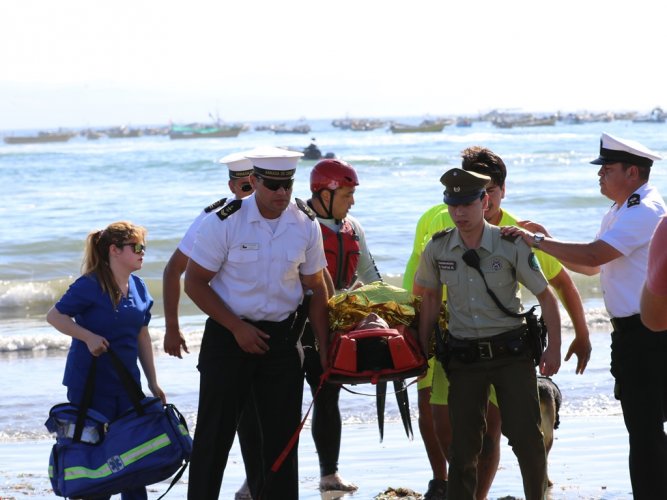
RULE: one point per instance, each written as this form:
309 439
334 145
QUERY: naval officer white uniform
247 271
620 254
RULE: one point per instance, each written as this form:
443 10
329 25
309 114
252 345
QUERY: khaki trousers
516 388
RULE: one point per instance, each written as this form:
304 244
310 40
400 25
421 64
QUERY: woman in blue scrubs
108 307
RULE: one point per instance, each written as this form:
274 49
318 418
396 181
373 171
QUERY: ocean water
52 195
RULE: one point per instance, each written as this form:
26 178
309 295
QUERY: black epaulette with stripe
634 200
229 209
216 205
305 209
440 234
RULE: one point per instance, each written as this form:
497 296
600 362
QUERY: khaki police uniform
638 355
258 263
501 357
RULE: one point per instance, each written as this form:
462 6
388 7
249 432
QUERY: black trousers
326 421
639 365
267 389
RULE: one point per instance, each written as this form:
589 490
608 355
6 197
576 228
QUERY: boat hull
407 129
228 132
19 139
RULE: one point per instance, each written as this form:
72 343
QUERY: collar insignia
634 200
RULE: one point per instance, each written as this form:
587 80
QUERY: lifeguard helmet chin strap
328 209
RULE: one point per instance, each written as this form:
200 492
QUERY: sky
79 63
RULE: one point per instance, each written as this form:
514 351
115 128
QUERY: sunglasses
246 188
136 247
275 184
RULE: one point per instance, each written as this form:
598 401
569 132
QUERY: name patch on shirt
447 265
249 246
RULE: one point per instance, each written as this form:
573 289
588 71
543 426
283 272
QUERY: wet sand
588 461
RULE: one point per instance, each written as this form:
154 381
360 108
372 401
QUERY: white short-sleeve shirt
188 241
257 269
628 228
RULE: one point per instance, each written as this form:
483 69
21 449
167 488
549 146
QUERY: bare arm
64 324
584 258
653 310
428 315
318 315
197 279
147 360
328 280
550 362
171 293
569 295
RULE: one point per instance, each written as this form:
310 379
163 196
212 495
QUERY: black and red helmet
331 174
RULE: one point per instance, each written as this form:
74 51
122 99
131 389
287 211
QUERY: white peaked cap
239 166
614 149
274 162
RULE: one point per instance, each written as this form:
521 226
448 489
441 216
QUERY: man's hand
550 362
517 231
582 349
533 227
251 339
174 341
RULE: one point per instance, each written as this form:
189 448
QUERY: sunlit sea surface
52 195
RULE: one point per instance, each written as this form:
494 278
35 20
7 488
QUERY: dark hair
486 162
643 171
96 253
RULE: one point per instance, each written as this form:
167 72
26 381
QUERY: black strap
471 258
176 478
85 403
131 387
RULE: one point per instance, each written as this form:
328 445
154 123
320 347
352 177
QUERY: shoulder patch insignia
305 208
510 237
215 205
533 262
633 200
442 233
229 209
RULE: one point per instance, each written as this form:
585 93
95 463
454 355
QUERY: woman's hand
97 344
157 391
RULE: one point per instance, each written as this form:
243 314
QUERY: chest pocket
241 256
242 265
498 278
449 278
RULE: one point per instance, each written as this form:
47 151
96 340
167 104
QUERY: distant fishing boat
359 124
39 138
424 126
463 121
524 120
302 128
197 131
657 115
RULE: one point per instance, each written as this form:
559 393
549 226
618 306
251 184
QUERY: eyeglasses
136 247
275 184
246 188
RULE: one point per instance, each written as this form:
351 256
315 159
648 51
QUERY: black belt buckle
485 350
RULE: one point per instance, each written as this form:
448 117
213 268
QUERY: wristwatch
538 238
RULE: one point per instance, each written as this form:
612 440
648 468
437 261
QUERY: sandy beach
588 461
